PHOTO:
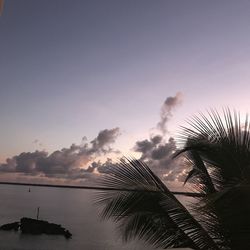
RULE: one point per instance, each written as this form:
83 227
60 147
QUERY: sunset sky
71 69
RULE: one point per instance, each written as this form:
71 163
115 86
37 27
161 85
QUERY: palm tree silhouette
217 153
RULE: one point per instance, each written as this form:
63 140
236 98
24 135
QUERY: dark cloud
157 151
144 147
166 110
105 168
64 163
104 139
158 154
156 139
163 150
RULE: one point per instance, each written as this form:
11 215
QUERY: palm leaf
149 211
198 173
222 145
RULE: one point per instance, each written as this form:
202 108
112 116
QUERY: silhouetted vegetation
216 150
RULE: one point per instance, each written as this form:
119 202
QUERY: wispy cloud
167 108
156 150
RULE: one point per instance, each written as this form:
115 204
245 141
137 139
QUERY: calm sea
72 208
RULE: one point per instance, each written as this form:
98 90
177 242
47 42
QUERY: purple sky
70 69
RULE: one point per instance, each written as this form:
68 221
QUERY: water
72 208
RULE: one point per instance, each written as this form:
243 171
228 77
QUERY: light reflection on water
72 208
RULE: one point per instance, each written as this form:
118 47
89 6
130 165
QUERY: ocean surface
74 209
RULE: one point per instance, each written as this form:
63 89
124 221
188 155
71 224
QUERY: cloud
37 143
104 139
158 154
72 163
157 151
80 164
106 167
167 108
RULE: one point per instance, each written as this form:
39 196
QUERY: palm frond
233 209
198 173
219 149
149 211
223 145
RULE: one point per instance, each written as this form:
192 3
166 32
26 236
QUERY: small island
36 227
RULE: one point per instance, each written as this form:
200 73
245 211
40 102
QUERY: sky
84 80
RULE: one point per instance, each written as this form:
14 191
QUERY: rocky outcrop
10 226
32 226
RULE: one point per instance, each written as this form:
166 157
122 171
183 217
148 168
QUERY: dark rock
67 234
10 226
32 226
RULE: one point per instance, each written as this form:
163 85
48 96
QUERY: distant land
92 188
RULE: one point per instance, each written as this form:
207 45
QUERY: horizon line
91 188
